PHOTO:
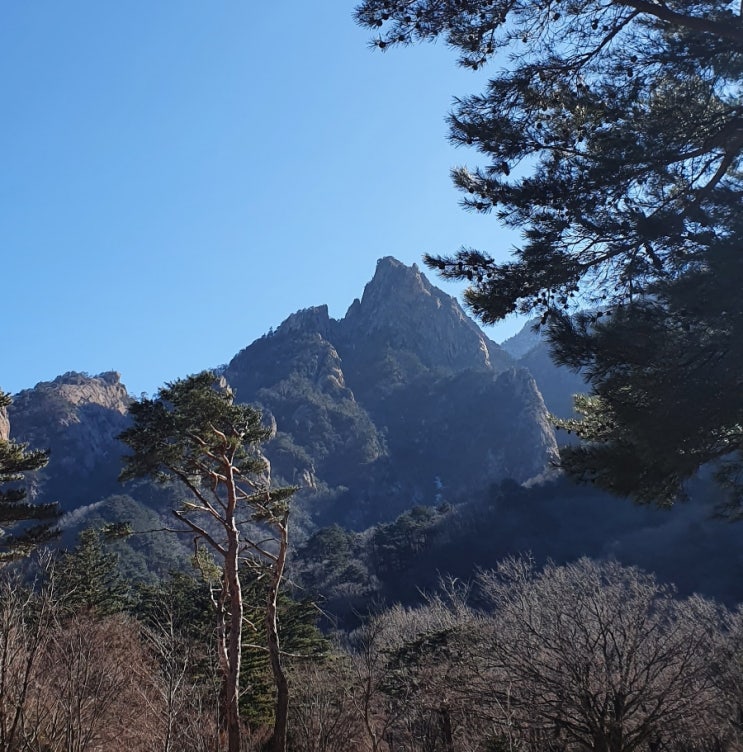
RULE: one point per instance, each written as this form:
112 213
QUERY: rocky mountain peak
314 320
79 389
395 286
402 308
526 339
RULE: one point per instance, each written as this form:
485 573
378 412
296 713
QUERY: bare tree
601 657
323 717
377 711
25 620
95 688
413 673
187 714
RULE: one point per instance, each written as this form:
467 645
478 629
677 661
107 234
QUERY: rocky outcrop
296 377
77 417
401 308
4 424
557 384
403 401
523 341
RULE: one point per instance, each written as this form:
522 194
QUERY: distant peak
389 267
314 320
77 378
394 280
415 315
390 262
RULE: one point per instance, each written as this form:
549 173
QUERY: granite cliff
77 417
4 424
557 384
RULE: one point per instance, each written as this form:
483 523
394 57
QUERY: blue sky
179 176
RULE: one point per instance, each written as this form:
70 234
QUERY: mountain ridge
401 400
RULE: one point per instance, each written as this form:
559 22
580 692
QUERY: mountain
524 340
402 401
403 423
402 311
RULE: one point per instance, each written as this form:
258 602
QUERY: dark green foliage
614 142
16 460
194 433
139 537
666 374
345 571
611 140
558 521
330 547
395 545
301 640
189 418
181 599
335 568
88 578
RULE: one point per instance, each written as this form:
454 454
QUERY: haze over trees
612 137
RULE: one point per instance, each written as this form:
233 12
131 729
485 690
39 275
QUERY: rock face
523 341
557 384
77 417
404 310
403 401
4 424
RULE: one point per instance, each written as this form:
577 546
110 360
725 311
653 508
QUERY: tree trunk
234 637
446 728
277 743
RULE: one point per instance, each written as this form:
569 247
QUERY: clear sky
179 176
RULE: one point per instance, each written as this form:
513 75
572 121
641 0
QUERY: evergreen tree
300 638
15 461
88 578
193 432
666 373
184 599
614 141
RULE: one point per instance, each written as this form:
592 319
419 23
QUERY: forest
612 138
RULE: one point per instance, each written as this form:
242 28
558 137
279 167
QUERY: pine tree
300 638
613 141
194 433
88 578
18 539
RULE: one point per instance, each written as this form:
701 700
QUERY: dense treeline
584 656
347 572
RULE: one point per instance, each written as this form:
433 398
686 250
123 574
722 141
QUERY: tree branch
726 29
200 531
